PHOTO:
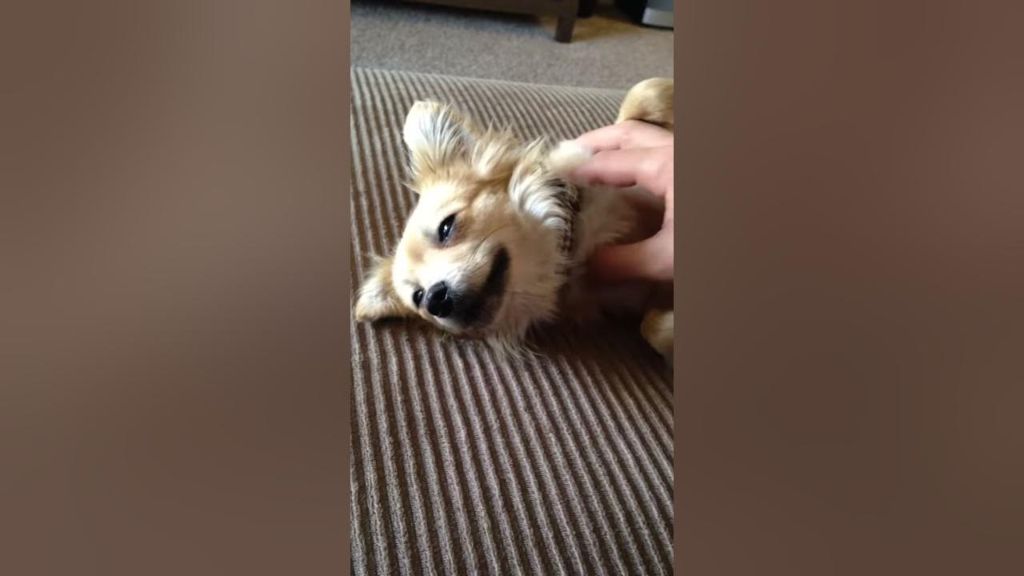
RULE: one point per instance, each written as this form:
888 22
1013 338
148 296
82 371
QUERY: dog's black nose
439 302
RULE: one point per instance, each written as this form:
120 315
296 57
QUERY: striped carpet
466 462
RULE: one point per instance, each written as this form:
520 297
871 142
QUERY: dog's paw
650 101
567 156
657 329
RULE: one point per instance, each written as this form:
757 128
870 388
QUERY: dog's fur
502 265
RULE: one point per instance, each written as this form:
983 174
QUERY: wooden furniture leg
563 33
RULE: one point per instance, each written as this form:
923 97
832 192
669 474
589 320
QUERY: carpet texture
607 50
469 462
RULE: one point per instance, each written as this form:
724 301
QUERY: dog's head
481 252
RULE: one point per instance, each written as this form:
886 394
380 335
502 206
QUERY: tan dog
499 240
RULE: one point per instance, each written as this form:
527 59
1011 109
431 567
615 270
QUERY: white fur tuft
567 156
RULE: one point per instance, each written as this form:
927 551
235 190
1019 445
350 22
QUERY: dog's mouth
478 309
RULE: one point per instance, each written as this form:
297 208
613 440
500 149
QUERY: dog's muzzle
471 308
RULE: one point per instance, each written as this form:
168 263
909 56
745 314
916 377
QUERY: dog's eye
445 229
417 297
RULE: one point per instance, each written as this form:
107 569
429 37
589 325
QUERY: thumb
649 259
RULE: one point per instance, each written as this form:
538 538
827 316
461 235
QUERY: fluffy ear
437 136
376 298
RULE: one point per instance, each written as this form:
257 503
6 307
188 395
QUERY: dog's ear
377 298
437 136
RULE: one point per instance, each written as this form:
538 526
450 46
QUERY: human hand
627 154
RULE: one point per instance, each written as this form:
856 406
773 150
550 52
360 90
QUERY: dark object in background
657 13
565 10
586 8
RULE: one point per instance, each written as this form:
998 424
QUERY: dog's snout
439 301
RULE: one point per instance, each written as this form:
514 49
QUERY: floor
607 51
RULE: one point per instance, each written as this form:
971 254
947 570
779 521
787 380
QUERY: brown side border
174 355
850 320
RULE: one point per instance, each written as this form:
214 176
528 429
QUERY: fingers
650 259
628 134
629 167
632 153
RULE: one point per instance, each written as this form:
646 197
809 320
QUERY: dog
498 241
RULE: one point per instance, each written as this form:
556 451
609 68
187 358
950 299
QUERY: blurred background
605 43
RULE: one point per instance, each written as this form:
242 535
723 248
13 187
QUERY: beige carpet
607 51
466 461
